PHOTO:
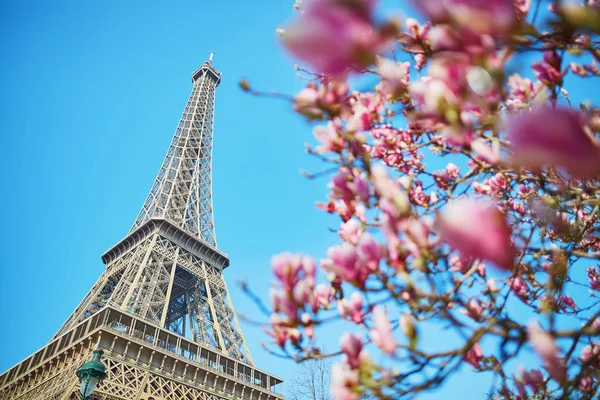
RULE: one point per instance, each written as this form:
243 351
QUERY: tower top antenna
212 53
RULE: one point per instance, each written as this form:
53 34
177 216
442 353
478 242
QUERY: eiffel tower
161 310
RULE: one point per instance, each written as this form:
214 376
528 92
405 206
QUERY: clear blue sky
90 95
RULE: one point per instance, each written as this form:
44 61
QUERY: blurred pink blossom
544 345
344 380
474 355
493 17
477 229
333 37
382 334
474 309
590 355
352 308
350 231
351 346
553 136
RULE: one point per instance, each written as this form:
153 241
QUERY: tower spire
182 190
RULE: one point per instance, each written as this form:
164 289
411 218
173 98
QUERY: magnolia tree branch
468 197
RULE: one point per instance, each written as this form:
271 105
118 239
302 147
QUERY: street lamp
90 373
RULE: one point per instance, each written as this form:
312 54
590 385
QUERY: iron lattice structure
161 310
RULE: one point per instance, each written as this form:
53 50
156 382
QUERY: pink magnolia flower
351 346
492 17
475 309
474 355
393 201
567 301
519 287
369 251
433 9
498 182
332 36
309 327
484 151
586 385
445 177
343 260
278 331
352 308
521 89
350 231
307 102
553 136
344 382
548 70
322 296
593 278
287 267
544 345
345 263
481 188
330 137
452 170
590 355
394 76
532 378
578 69
432 94
381 333
283 302
477 229
365 111
349 185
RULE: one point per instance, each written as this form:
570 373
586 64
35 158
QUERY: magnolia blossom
352 308
369 252
351 346
350 231
547 349
594 278
394 76
344 381
519 287
381 333
532 378
590 355
322 296
307 102
332 37
287 267
479 17
553 136
477 229
474 309
474 355
548 70
345 262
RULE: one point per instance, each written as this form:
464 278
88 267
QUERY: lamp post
90 374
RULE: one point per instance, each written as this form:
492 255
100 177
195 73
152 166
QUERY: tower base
144 362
